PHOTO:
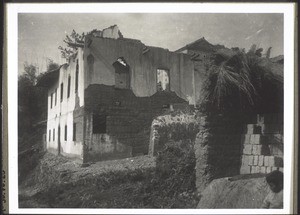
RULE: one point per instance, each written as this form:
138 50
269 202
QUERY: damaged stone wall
128 121
143 66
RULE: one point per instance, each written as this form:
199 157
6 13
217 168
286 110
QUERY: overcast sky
39 35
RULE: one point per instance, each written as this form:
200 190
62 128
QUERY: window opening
61 92
74 131
51 100
76 77
55 96
66 132
163 80
90 61
69 85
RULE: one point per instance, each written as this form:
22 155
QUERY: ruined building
102 101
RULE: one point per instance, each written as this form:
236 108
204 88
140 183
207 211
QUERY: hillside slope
243 191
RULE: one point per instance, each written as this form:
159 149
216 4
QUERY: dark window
76 77
55 96
163 80
49 135
66 132
51 100
61 92
74 131
69 85
53 134
90 62
99 124
122 74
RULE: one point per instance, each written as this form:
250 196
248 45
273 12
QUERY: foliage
236 80
73 41
32 109
171 184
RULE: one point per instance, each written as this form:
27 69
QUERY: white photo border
12 11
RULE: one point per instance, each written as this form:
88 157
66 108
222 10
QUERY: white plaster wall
62 113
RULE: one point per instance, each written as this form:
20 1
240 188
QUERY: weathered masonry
102 101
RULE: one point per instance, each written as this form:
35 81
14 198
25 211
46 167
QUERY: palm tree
242 82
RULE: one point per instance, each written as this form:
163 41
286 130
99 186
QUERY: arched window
122 74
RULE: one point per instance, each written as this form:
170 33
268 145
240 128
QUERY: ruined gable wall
143 67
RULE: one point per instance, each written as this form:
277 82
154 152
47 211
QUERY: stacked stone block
262 145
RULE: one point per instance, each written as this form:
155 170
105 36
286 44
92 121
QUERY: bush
173 185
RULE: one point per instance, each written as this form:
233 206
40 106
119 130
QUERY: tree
238 81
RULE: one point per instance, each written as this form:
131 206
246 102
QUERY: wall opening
90 62
55 96
76 77
74 131
69 85
66 132
163 80
122 74
49 135
53 134
99 124
51 98
61 92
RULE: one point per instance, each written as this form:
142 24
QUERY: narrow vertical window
74 131
55 97
76 77
51 98
53 134
61 92
69 85
66 132
49 135
90 62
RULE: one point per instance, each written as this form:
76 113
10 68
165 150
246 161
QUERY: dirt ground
57 176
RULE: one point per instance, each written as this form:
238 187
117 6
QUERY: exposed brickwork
128 118
262 145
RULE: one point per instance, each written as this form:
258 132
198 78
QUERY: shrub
173 185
